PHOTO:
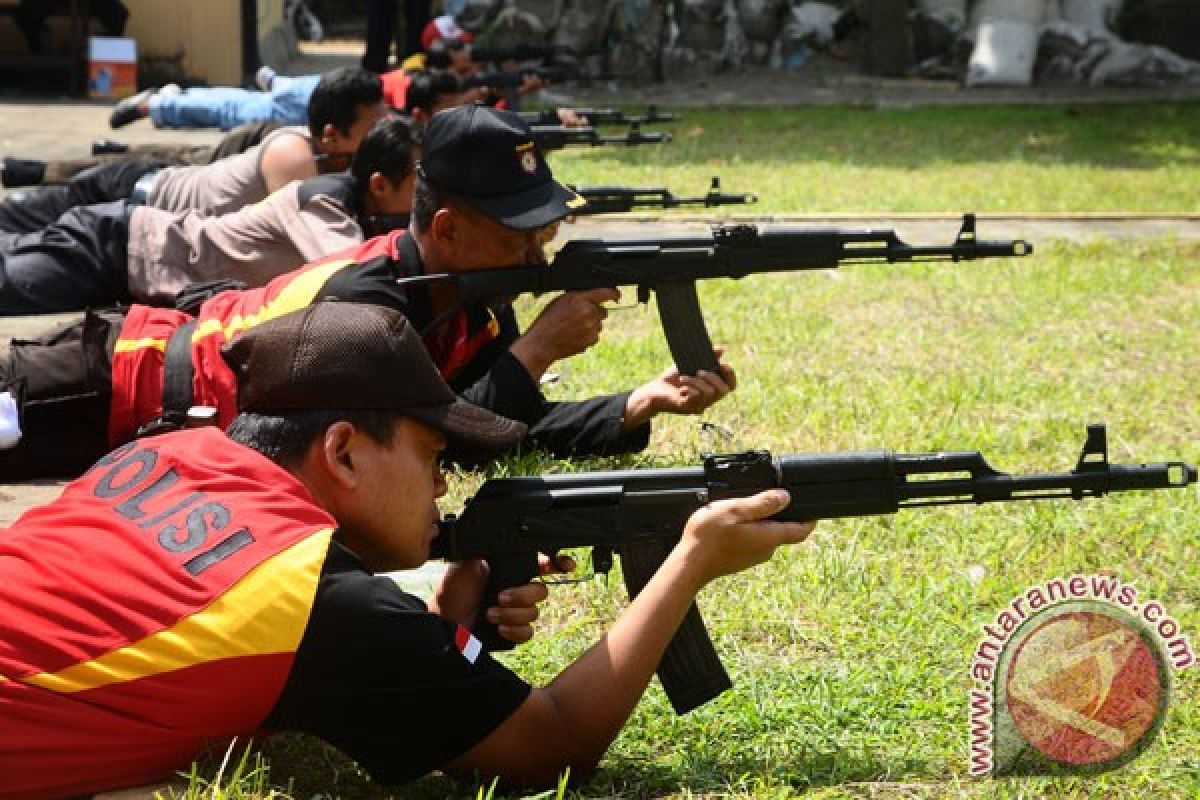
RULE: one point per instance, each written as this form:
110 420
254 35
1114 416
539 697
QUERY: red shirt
395 87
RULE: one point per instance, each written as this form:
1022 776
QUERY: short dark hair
428 199
386 149
425 87
285 438
339 95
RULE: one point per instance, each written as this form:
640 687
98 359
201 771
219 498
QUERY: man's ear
378 184
446 226
329 135
339 446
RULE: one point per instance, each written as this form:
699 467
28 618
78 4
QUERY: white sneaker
10 428
264 77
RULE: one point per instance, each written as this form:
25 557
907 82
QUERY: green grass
850 654
1138 157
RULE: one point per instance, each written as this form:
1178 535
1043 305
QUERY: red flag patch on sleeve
467 644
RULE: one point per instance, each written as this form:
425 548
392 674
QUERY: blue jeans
226 107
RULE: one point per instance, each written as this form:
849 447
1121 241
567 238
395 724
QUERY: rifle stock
640 515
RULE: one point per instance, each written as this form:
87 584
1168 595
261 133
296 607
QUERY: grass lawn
1035 158
850 654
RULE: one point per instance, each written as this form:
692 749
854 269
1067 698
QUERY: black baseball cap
352 356
489 158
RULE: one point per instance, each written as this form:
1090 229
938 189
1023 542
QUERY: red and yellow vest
137 361
151 612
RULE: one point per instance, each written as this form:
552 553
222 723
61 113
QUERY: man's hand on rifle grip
570 324
457 598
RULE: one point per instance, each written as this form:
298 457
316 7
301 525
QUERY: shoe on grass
102 147
130 109
16 172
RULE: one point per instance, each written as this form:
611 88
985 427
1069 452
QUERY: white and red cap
444 27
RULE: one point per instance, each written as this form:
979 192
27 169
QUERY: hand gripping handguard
640 514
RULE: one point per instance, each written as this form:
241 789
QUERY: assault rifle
426 87
437 82
600 116
669 266
508 79
438 55
556 137
640 514
612 199
548 53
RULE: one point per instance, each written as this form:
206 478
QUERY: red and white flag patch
467 644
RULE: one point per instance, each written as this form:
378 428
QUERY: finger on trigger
513 616
518 634
527 595
560 563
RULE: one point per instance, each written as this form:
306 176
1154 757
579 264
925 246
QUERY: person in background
344 106
121 251
381 26
281 98
93 385
30 16
18 172
226 107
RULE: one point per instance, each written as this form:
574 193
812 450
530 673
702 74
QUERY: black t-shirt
388 682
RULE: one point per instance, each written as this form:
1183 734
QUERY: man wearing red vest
76 394
192 588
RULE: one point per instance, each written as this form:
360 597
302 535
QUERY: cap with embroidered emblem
489 158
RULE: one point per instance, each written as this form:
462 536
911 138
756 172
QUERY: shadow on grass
303 767
720 772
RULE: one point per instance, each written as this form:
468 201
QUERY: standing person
381 27
417 14
30 16
342 109
96 384
117 252
196 587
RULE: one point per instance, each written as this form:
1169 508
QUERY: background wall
206 38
